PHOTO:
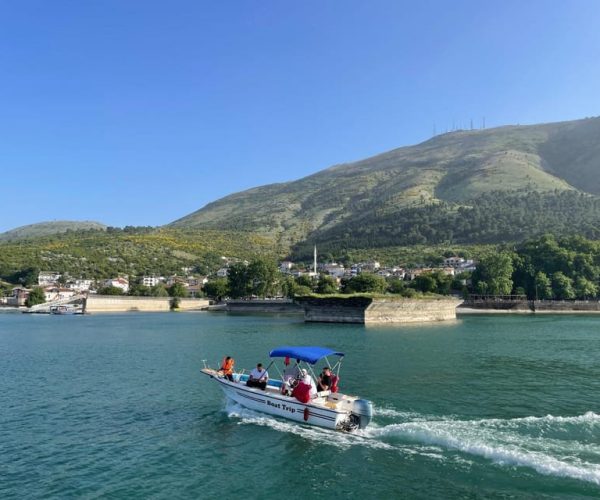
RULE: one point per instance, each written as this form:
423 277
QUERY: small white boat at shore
329 409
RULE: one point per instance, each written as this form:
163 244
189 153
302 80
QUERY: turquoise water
114 406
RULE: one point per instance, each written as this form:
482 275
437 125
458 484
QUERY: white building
56 293
223 272
151 281
334 269
454 261
121 283
46 278
467 265
286 266
80 285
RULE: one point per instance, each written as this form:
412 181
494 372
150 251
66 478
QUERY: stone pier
119 303
366 310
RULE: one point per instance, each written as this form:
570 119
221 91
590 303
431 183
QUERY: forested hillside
491 218
132 251
482 186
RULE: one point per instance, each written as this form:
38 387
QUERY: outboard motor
362 410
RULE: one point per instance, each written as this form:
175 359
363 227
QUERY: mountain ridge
48 228
456 168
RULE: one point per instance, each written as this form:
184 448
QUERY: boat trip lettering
281 406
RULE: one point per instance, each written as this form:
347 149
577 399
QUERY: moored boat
283 398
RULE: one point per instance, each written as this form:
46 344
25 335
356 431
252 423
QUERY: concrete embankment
278 306
367 310
530 307
116 303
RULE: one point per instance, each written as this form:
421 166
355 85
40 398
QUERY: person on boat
324 381
308 380
291 372
227 367
258 377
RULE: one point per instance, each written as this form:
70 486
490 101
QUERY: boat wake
551 445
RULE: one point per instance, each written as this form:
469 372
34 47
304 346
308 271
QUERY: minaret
315 261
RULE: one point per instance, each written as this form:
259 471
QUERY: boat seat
323 394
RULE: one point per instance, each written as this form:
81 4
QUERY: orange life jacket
227 366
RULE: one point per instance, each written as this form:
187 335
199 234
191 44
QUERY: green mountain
501 184
48 229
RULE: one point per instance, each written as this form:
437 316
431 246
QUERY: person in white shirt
308 380
258 377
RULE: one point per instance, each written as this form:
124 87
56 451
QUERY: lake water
114 406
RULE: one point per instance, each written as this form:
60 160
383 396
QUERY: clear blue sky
140 112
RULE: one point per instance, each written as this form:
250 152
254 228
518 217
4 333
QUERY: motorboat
281 396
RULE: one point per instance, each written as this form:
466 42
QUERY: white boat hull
331 412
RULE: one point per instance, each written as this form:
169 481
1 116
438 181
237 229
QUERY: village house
151 281
119 282
53 293
195 285
80 285
19 296
334 269
46 278
286 266
453 261
223 272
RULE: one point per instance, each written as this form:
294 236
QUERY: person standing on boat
324 381
258 377
227 367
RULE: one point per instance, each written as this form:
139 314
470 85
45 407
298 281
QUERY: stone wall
530 306
367 310
566 306
117 303
411 310
286 306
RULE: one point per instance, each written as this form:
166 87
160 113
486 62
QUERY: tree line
542 268
492 218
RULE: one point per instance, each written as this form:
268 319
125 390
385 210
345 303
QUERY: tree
178 290
425 283
495 270
217 289
262 277
562 286
159 290
365 283
585 288
238 282
326 285
26 277
36 296
139 290
395 285
305 280
443 282
543 286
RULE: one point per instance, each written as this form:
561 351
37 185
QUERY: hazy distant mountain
48 228
507 175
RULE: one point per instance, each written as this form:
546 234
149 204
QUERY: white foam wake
545 443
515 442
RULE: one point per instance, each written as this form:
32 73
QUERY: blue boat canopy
310 354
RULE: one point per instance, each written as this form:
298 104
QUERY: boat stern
362 412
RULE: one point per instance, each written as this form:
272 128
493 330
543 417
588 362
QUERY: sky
139 112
